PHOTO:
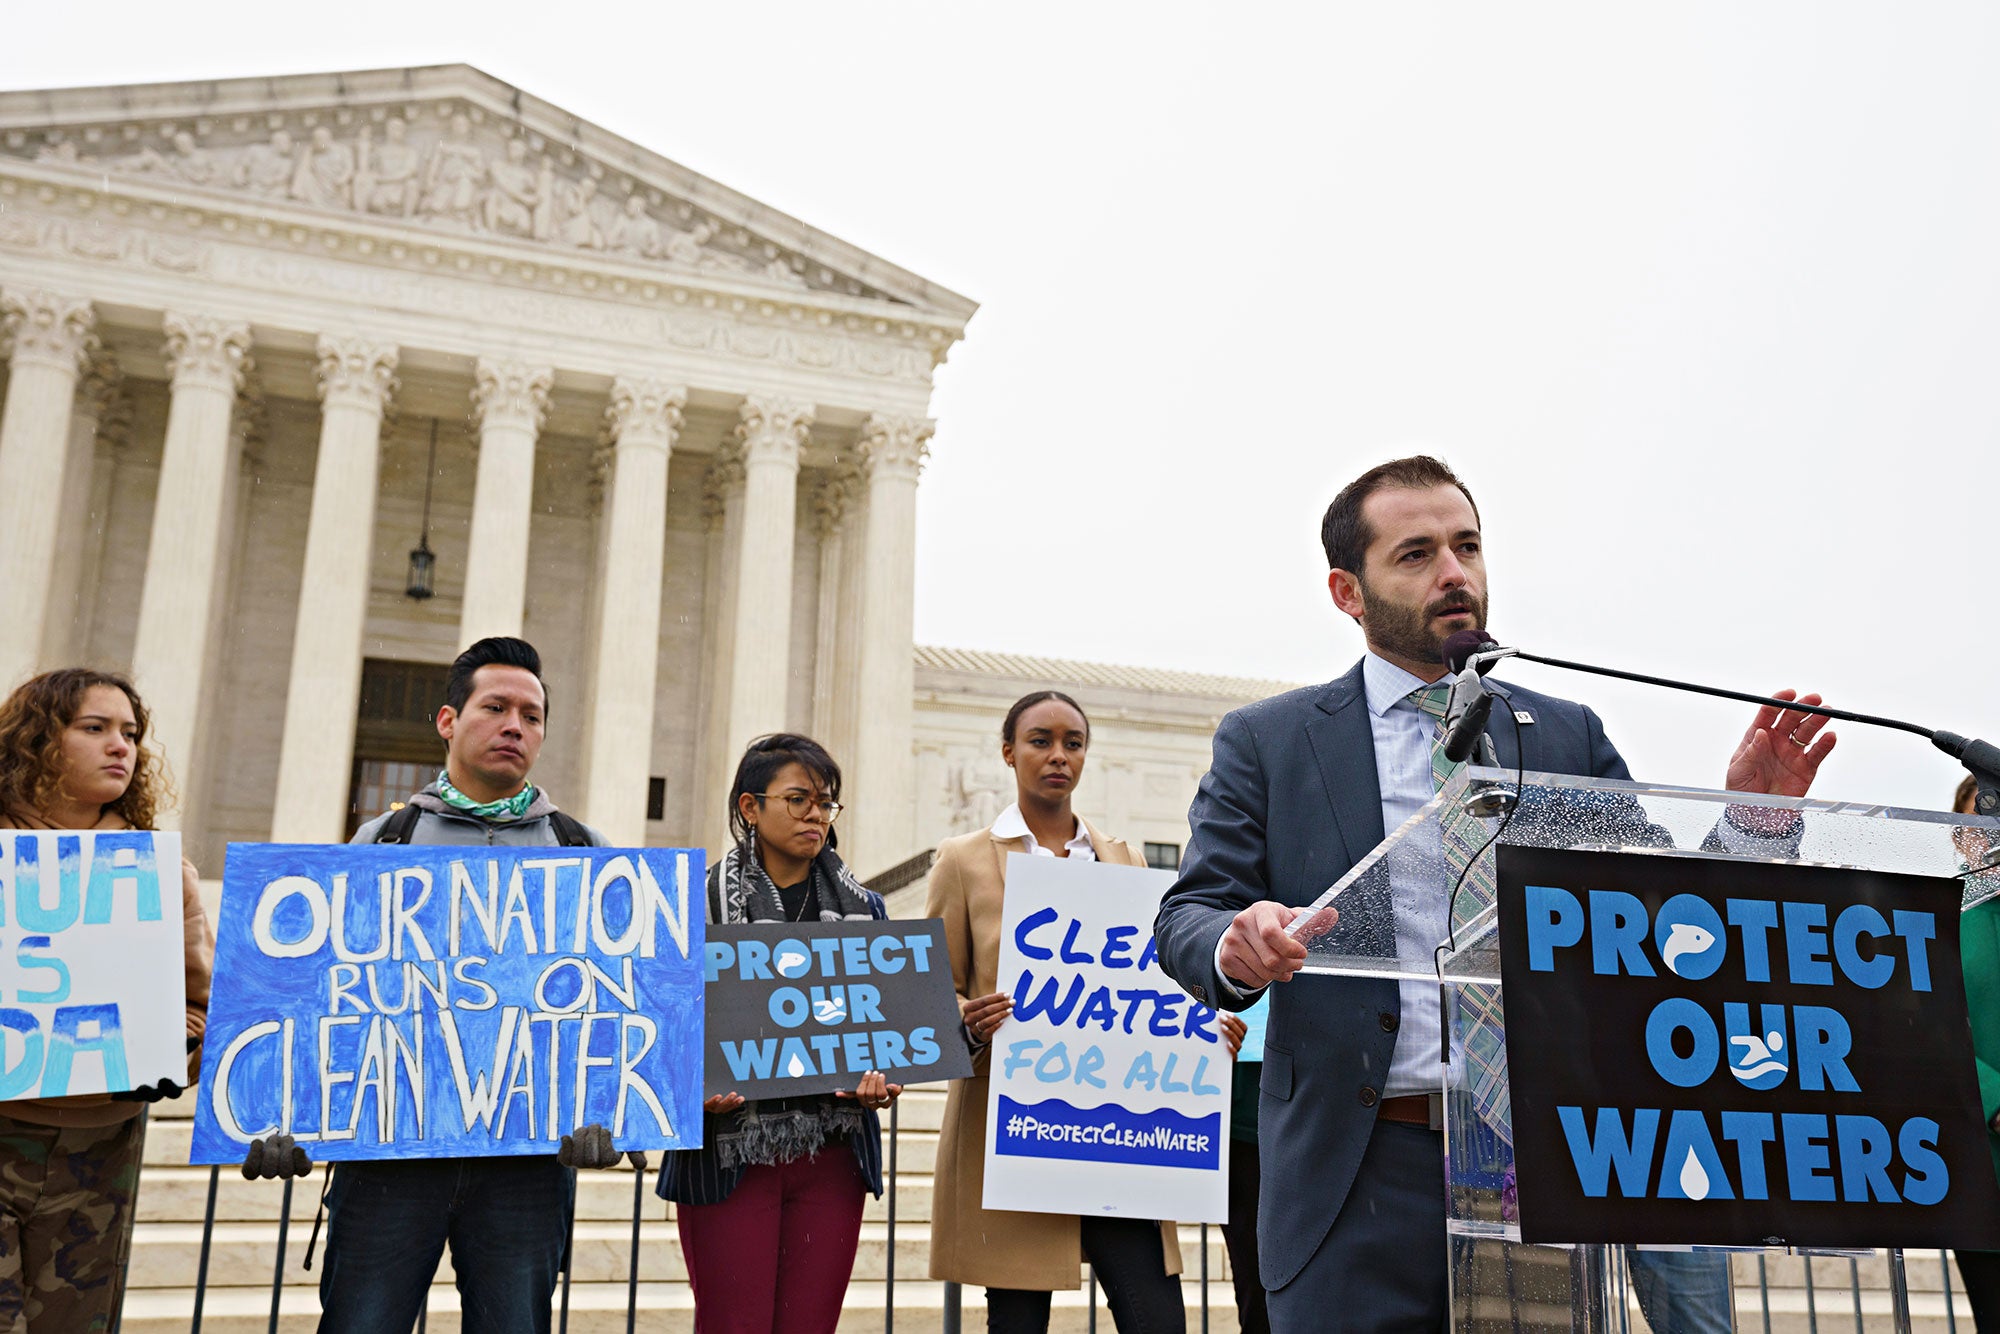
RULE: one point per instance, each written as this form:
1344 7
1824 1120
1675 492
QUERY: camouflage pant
64 1198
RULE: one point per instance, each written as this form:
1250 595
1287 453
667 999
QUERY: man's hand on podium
1256 950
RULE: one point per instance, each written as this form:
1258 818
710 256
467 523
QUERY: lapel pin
1523 716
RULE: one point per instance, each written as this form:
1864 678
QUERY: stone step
600 1308
180 1195
167 1255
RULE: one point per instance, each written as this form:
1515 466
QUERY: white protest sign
1110 1085
93 991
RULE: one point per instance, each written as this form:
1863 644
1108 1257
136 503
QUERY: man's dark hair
497 651
761 761
1344 533
1026 702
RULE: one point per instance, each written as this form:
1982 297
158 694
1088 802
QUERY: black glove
166 1088
637 1158
279 1158
590 1146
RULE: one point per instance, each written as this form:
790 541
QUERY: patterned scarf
507 808
748 894
782 1130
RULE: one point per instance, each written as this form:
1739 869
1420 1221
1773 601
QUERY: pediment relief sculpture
448 170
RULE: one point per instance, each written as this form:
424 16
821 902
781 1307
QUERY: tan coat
970 1244
198 959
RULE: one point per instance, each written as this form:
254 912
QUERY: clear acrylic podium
1391 925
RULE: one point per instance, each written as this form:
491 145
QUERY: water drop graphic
798 1067
1694 1181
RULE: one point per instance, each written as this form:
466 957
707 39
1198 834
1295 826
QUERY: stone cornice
93 122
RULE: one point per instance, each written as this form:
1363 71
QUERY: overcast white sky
1699 298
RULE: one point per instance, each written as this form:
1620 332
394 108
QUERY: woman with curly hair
73 756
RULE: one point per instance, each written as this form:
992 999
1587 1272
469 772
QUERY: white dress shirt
1012 825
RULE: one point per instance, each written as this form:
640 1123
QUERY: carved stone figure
386 180
59 150
635 231
686 247
579 228
975 798
189 161
515 193
325 173
452 179
268 168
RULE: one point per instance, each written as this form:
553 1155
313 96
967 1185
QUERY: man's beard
1407 632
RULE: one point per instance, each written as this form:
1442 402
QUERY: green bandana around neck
507 808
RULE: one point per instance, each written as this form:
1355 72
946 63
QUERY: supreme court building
281 352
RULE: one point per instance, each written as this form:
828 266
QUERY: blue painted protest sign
92 982
1255 1020
400 1002
1110 1086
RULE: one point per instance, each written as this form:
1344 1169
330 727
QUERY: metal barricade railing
952 1297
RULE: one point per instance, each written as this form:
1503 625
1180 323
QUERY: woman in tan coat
1021 1258
73 756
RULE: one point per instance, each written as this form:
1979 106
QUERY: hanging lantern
423 562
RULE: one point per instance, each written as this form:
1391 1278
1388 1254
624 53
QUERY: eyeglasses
799 804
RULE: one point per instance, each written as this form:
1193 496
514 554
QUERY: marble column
205 357
772 432
51 339
643 419
882 832
835 512
510 400
722 510
65 630
357 375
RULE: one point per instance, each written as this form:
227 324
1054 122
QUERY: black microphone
1460 645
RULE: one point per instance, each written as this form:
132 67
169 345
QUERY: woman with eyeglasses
1021 1258
769 1208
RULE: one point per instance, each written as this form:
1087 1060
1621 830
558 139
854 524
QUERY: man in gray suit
1351 1226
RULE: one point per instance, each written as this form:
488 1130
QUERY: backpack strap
569 833
400 824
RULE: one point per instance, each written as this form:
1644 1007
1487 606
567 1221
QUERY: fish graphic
792 962
1685 938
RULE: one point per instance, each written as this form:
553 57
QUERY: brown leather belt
1416 1109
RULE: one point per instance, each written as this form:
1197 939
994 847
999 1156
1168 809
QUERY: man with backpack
506 1219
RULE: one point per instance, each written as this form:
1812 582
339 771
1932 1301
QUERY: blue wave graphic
1055 1129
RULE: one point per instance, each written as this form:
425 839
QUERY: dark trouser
1126 1255
505 1219
1239 1234
65 1195
1981 1272
775 1257
1382 1265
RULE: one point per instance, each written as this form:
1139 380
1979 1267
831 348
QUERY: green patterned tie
1482 1022
1431 699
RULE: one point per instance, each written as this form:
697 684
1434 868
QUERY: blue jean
1683 1292
505 1219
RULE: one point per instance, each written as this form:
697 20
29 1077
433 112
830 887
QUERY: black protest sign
1713 1052
796 1008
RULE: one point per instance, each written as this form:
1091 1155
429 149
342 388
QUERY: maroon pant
774 1258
